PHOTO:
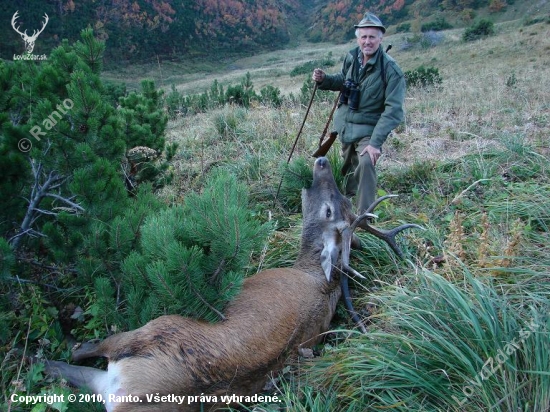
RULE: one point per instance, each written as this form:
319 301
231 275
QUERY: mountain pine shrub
192 259
478 30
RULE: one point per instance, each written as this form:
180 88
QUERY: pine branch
196 292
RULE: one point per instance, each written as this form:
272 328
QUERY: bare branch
39 191
29 232
44 212
65 200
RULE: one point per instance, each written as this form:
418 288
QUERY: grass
438 345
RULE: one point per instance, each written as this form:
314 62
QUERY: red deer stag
277 312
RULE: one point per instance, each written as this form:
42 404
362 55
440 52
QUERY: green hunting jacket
380 109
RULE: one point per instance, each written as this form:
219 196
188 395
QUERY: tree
65 184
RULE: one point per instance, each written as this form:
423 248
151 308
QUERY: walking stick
297 136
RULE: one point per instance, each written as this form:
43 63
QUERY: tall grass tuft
442 346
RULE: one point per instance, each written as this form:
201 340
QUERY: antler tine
346 269
36 33
44 24
386 235
378 201
13 19
349 304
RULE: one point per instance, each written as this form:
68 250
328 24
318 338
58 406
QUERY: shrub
423 40
437 25
535 20
241 94
423 76
431 39
193 258
272 95
174 102
479 30
403 28
307 67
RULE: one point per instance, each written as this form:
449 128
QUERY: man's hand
373 152
318 75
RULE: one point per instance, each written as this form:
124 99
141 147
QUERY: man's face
368 40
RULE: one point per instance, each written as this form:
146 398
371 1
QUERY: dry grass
494 91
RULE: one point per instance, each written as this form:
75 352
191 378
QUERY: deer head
29 40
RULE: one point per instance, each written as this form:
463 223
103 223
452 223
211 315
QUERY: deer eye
329 213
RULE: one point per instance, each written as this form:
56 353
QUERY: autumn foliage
135 30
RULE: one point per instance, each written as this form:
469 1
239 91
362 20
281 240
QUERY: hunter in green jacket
370 107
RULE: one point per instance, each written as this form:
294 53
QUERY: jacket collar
372 61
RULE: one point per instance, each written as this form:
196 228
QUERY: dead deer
277 312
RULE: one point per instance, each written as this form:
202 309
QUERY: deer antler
347 235
46 20
13 19
386 235
346 269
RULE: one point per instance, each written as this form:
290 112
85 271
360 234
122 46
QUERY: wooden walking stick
297 136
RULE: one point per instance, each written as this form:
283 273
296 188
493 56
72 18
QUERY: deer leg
79 376
87 350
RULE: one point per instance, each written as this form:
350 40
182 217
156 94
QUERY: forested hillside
134 30
144 30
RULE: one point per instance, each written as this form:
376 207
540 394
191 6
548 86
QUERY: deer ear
329 255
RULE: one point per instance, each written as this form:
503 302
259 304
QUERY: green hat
370 20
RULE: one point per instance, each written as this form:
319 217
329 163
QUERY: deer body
182 356
277 311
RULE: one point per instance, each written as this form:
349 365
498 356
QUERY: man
370 106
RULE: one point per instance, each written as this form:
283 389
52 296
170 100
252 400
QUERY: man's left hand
373 152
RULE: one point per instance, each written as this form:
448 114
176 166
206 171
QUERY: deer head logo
29 40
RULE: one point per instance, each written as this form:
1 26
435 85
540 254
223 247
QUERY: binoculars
350 95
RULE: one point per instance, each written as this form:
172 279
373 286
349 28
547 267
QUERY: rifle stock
326 145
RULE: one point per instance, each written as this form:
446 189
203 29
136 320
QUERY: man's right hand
318 75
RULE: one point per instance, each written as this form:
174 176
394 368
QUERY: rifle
324 146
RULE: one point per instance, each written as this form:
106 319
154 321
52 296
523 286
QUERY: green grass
431 340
